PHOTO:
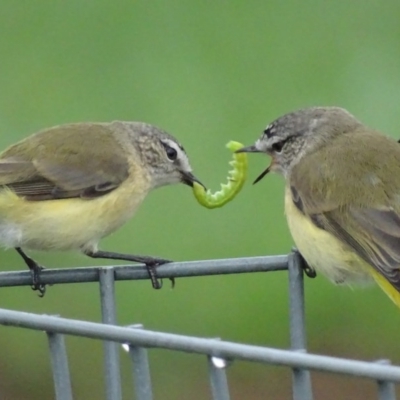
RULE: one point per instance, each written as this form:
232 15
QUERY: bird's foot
308 270
151 265
36 285
35 269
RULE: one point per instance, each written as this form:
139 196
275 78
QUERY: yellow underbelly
65 224
330 256
323 251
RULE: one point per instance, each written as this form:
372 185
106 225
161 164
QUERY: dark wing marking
54 167
374 234
351 189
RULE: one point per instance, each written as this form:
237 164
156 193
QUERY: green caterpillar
236 179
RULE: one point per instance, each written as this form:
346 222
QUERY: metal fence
218 352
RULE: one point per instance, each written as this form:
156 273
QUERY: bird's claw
309 271
151 266
36 285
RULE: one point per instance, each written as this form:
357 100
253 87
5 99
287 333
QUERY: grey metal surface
224 349
59 365
386 390
111 349
217 351
218 380
301 378
130 272
141 371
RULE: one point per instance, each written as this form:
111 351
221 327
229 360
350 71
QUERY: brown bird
69 186
342 197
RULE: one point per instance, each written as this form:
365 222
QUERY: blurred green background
207 72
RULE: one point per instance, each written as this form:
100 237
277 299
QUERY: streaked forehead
270 130
305 120
290 124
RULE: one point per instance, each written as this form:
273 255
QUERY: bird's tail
386 287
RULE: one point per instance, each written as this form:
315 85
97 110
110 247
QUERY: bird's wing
358 204
64 162
374 234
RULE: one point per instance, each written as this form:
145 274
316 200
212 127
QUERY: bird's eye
171 153
278 146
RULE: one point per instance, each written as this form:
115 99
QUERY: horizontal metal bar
171 270
141 337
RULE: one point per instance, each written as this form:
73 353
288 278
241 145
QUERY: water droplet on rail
219 362
126 347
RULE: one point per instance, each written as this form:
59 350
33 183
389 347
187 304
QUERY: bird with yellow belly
342 196
69 186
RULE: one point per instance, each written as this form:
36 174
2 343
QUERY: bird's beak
253 149
188 179
265 172
248 149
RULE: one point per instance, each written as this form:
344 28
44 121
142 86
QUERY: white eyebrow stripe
182 157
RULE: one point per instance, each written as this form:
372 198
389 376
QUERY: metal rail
218 353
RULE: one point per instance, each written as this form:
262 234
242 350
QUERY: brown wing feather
372 233
56 168
359 206
379 245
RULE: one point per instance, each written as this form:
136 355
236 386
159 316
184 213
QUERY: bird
342 194
68 186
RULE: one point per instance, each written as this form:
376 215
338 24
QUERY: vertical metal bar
141 370
386 390
59 366
218 380
302 389
111 349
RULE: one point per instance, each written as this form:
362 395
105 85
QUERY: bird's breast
68 223
323 251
